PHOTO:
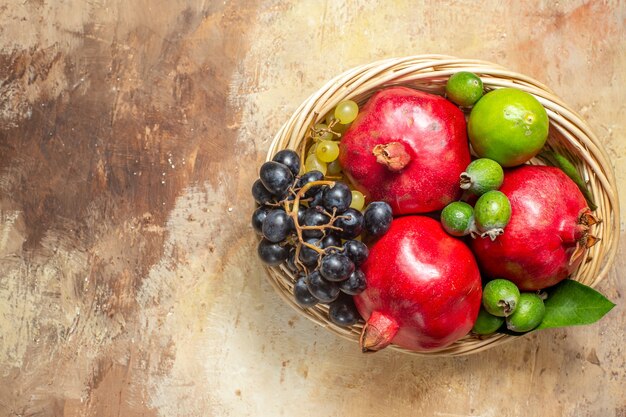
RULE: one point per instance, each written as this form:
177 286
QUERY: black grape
272 254
325 291
290 159
343 312
308 256
260 193
336 267
302 294
291 260
357 251
350 222
257 218
310 177
314 217
276 177
338 197
355 284
316 199
331 240
377 218
277 226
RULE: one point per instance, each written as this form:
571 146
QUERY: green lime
457 218
492 213
528 314
509 126
482 175
464 88
500 297
487 323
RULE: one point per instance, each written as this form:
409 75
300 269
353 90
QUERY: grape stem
328 225
333 124
315 132
293 213
312 131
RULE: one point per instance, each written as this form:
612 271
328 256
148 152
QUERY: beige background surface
130 133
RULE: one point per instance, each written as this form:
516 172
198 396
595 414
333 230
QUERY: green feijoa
500 297
492 213
482 175
457 218
464 88
528 314
487 323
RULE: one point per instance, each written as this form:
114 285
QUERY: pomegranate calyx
578 252
377 332
392 155
590 240
584 240
587 218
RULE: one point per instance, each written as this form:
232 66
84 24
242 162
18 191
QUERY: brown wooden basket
569 135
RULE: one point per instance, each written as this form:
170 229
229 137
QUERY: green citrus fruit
486 323
457 218
500 297
464 88
509 126
482 175
528 314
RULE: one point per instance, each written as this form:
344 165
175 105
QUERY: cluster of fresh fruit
491 212
502 301
323 153
314 225
520 228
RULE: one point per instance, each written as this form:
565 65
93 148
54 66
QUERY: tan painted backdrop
130 133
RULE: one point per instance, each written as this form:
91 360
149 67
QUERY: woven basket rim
569 133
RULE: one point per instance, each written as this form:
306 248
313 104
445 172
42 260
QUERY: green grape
338 127
312 149
321 132
358 200
327 151
334 168
313 164
346 111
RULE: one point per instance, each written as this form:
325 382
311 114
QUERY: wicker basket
569 135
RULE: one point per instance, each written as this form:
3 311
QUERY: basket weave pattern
569 135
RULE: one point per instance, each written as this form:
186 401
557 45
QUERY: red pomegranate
423 288
547 234
407 148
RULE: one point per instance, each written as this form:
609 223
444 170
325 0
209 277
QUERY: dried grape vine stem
293 213
313 134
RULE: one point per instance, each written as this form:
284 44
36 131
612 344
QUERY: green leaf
571 303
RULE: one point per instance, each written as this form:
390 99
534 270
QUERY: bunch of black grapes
307 223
